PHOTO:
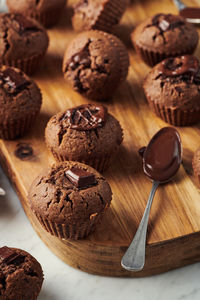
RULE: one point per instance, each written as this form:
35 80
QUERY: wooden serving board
174 228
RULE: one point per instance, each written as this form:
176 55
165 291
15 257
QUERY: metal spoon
192 14
161 161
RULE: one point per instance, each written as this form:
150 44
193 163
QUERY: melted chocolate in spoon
162 156
190 12
161 161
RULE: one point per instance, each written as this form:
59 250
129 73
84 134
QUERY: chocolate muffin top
101 15
95 63
175 82
21 275
86 130
166 33
69 192
31 6
21 37
19 95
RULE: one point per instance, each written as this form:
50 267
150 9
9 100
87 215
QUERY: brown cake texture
70 199
100 15
47 12
162 36
86 133
20 101
21 275
23 42
95 64
172 89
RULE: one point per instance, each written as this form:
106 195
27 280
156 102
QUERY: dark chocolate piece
190 12
86 117
164 23
12 81
25 25
180 65
80 178
162 156
8 255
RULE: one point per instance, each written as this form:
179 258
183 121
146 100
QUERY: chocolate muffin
20 101
47 12
101 15
162 36
21 275
70 199
172 89
95 63
196 164
23 42
85 133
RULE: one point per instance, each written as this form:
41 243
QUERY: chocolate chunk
25 25
8 255
164 23
12 81
80 178
86 117
186 64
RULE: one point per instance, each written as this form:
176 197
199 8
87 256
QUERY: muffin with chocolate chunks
20 100
172 89
21 275
23 42
162 36
95 64
86 133
70 199
101 15
47 12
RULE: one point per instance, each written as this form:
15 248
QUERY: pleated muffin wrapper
27 65
71 231
49 18
100 163
175 116
110 15
152 57
11 129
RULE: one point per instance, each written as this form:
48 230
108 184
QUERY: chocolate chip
8 255
12 81
81 178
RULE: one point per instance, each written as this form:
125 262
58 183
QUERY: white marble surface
65 283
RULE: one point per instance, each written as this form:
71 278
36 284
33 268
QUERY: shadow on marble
46 295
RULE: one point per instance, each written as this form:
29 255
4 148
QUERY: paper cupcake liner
70 231
48 18
16 128
176 117
152 58
110 15
28 65
99 163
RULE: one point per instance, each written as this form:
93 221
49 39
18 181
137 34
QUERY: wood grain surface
174 227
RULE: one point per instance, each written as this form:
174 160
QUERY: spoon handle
179 4
134 258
